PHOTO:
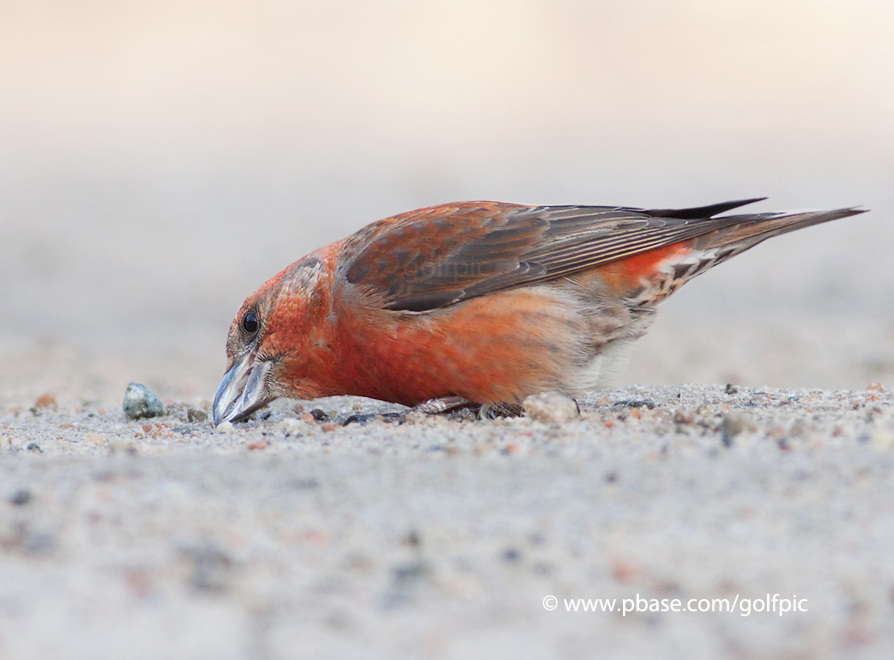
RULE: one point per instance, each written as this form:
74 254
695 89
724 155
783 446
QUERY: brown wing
443 254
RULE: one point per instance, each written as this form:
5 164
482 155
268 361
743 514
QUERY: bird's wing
441 255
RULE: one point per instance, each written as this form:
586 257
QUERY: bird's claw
443 404
457 404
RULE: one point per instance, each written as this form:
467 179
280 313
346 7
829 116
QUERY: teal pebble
139 402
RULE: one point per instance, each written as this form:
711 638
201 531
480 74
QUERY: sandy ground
288 537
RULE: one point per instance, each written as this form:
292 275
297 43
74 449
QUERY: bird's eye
250 323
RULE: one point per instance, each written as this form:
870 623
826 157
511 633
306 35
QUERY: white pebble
551 407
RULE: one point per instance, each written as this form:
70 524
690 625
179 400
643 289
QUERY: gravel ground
442 537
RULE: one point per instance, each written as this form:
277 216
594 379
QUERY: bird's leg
497 410
451 404
444 404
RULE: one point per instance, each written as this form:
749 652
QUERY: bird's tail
754 228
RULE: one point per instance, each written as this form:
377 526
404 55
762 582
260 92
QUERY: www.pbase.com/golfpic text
774 604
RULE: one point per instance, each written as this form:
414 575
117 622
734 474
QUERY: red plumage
484 301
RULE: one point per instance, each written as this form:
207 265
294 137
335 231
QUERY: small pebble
291 426
196 415
511 555
45 400
373 417
872 387
683 417
734 423
551 407
139 402
412 539
20 497
94 439
635 403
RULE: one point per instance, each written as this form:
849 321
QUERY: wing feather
441 255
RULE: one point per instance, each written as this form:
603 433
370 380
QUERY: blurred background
159 160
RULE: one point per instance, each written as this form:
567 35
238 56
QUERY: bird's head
267 342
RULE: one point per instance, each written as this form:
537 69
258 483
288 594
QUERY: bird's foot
497 410
462 407
444 404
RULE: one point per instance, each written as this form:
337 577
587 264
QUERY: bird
477 302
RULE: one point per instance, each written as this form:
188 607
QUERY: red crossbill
484 302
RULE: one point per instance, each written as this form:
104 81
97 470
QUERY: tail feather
757 227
